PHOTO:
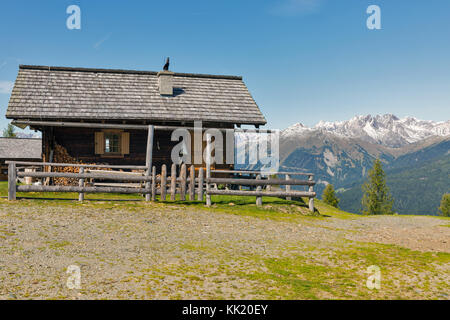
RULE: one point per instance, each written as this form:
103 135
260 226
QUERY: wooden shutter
125 143
99 143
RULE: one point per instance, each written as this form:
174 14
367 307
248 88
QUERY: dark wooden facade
80 144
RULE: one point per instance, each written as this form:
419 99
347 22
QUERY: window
112 143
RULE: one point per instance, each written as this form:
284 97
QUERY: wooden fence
190 184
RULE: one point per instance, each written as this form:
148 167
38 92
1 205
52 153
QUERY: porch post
12 177
208 168
148 159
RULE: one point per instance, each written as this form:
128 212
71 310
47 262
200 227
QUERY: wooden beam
149 157
173 182
163 182
258 189
253 182
81 184
116 126
192 183
208 168
25 188
30 163
311 199
12 181
200 185
288 186
281 194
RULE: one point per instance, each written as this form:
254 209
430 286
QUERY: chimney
165 82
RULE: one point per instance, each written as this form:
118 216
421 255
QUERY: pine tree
377 198
329 196
9 131
444 209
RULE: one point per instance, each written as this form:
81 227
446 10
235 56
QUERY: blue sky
303 60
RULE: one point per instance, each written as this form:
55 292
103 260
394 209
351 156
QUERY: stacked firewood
62 156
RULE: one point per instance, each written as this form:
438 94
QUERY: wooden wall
80 144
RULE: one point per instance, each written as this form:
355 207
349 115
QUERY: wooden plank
29 163
208 168
253 182
12 181
81 184
258 189
263 173
288 186
173 182
25 188
183 182
163 182
120 126
311 199
148 158
112 184
192 183
153 183
282 194
110 176
200 185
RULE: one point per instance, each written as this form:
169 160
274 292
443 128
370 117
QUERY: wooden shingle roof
18 148
48 93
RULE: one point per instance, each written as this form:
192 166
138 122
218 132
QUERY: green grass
272 208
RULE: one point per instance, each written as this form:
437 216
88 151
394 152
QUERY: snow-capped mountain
387 130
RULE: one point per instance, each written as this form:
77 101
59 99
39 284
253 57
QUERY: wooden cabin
18 149
96 115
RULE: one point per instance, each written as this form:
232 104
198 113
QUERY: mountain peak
387 129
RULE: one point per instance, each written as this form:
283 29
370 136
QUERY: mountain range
415 155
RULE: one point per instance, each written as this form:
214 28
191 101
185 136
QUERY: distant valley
415 155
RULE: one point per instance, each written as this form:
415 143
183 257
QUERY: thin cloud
99 43
296 7
6 86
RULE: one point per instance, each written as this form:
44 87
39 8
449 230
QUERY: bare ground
164 251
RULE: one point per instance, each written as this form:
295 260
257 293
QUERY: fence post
163 182
183 182
208 168
81 184
173 182
311 199
192 183
258 188
12 177
148 159
153 183
288 187
200 185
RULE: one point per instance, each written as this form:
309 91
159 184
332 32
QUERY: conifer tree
444 209
377 198
329 196
9 131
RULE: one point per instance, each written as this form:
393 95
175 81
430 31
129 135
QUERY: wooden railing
260 183
188 184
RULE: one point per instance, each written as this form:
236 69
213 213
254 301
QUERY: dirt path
164 251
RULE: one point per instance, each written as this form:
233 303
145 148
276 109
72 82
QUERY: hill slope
417 182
